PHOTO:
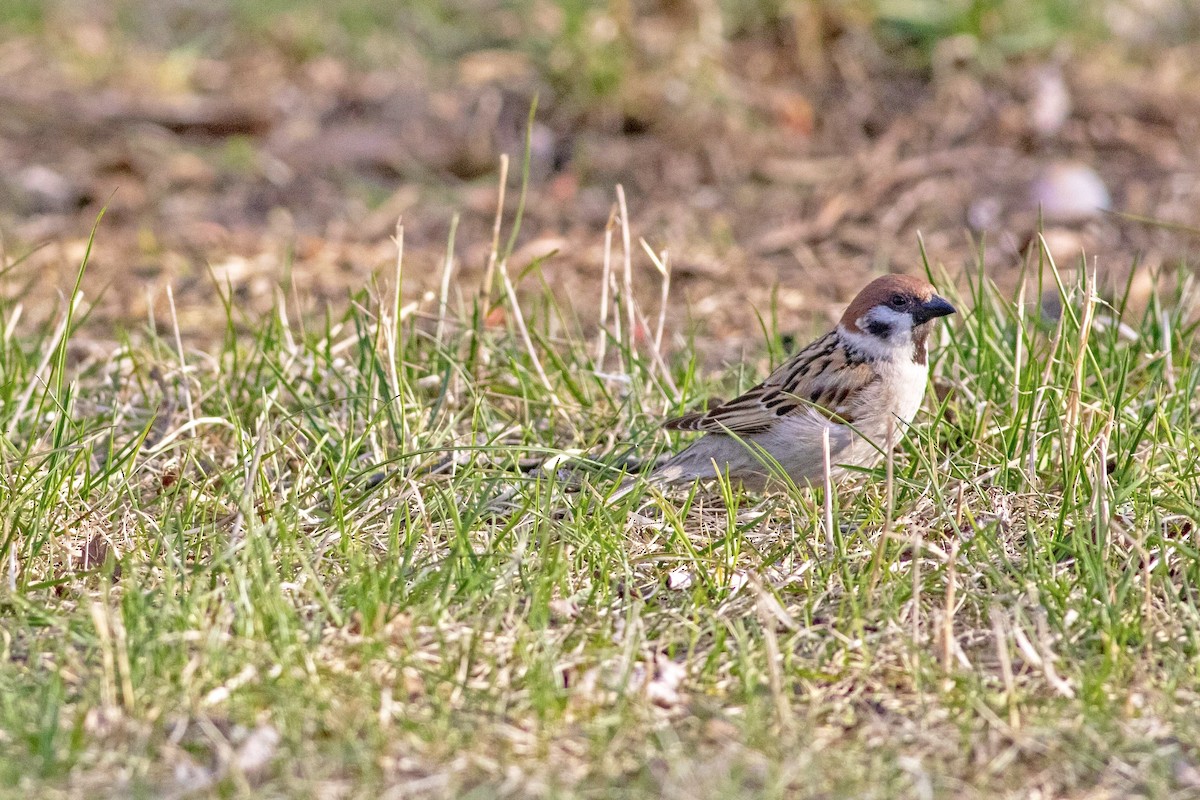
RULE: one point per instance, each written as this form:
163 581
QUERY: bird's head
892 317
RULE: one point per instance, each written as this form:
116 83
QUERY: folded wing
822 378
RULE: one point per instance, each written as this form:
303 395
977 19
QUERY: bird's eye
898 300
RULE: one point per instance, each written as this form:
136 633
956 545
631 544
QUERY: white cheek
897 344
900 323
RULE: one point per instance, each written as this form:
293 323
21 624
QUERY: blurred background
780 150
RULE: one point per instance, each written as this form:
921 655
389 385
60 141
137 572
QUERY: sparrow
865 377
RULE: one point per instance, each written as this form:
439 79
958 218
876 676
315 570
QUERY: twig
444 289
661 264
1075 395
627 273
948 644
519 319
606 276
489 274
1168 356
394 331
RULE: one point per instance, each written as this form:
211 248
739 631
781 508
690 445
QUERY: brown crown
881 290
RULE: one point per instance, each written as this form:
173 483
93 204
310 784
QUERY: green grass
297 540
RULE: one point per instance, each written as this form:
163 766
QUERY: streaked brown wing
821 378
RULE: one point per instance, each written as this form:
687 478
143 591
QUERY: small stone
1068 192
48 192
984 214
679 579
1050 105
562 610
258 750
1185 773
663 689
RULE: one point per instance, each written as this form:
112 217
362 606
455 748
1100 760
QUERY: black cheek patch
879 329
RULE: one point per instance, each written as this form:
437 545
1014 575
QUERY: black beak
932 308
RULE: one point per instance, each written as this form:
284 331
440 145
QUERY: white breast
907 379
892 401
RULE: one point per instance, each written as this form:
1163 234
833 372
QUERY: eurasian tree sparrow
865 376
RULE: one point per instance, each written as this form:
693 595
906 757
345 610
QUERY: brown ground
269 168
